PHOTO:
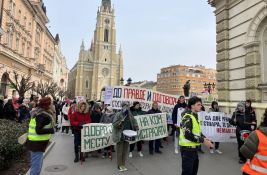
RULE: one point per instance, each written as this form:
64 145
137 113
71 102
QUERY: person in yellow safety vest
255 150
40 129
191 137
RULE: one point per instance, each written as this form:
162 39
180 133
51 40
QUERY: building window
19 15
38 35
10 39
30 26
28 51
87 84
23 48
17 43
106 35
25 21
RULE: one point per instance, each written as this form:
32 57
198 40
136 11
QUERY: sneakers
130 155
218 151
176 151
122 168
211 151
140 154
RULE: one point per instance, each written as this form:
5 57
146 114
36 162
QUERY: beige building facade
101 65
26 44
60 69
171 79
241 52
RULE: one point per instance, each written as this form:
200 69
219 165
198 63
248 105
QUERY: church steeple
106 3
82 45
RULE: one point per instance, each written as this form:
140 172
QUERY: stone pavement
168 163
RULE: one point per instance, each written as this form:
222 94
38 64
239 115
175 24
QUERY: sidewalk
166 164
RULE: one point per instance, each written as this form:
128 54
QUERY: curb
49 148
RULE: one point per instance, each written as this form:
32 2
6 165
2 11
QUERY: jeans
190 161
151 145
36 163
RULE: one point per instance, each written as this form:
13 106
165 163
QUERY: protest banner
80 99
216 126
152 126
144 96
97 136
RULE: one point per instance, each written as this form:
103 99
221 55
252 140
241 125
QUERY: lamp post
121 81
209 87
129 82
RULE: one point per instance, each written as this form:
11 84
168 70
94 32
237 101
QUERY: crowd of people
68 117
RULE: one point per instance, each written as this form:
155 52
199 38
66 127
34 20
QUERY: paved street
166 164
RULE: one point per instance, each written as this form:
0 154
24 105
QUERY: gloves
81 125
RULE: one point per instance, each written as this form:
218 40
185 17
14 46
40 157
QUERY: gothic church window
106 35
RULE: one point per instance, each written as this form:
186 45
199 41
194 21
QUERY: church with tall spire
101 64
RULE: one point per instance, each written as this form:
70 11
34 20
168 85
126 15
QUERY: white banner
152 126
216 126
97 136
179 115
117 94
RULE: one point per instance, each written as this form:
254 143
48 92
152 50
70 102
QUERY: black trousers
240 143
217 145
139 146
151 145
77 142
190 161
65 128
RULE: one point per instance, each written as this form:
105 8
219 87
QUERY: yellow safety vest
33 136
196 131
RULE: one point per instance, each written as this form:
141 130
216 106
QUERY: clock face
107 21
105 72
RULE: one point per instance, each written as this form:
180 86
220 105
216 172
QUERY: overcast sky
153 34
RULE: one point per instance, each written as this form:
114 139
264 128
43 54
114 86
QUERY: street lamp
209 87
121 81
129 82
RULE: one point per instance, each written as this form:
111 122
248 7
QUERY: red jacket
79 118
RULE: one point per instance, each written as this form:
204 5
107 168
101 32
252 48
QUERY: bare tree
54 90
21 84
43 89
62 93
